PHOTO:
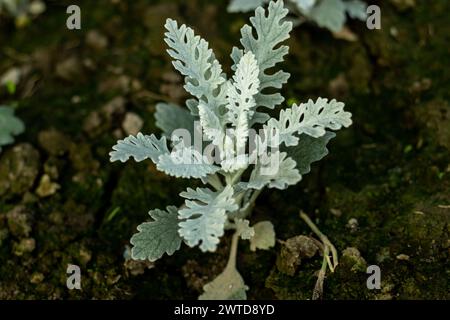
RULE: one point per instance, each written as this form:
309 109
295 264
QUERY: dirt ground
382 195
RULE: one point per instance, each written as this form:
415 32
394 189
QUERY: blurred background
382 195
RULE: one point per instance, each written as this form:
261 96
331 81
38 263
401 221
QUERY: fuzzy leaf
243 229
229 285
277 171
204 216
264 237
158 236
196 61
211 125
170 117
305 5
309 150
244 85
329 14
356 9
311 118
270 29
185 163
10 126
241 103
140 148
244 5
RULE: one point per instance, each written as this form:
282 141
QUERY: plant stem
318 288
233 251
251 203
325 241
215 182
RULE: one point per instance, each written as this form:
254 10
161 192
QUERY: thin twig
324 239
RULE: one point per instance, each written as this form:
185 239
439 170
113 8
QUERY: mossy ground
389 173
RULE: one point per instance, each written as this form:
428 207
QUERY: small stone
100 121
292 251
336 212
26 245
36 278
46 187
13 76
132 124
85 255
69 69
403 257
352 224
75 99
54 142
19 221
96 40
114 107
114 83
19 168
92 123
37 7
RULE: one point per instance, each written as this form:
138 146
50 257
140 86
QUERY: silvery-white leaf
170 117
276 170
243 87
196 61
158 236
10 126
311 118
304 5
356 9
329 14
270 29
243 229
240 96
264 237
185 163
229 285
244 5
140 148
211 124
204 216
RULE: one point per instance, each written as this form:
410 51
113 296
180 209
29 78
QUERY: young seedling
215 140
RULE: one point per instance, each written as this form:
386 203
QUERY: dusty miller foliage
330 14
10 126
227 109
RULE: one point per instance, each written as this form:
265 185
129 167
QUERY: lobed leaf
204 216
158 236
277 171
264 237
311 118
270 29
170 117
195 60
140 148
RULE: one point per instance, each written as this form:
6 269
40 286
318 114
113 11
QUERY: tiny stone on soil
132 124
46 187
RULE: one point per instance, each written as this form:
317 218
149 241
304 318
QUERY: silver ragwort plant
234 162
